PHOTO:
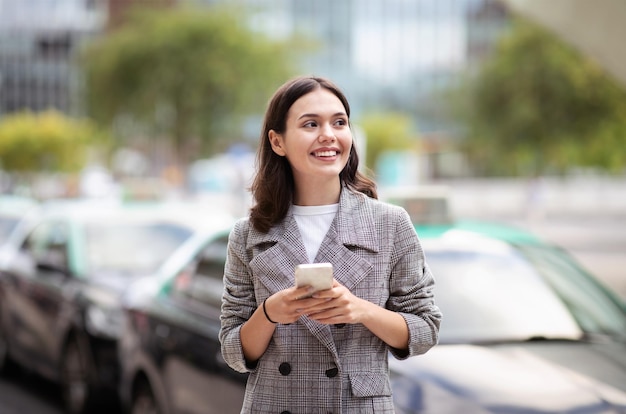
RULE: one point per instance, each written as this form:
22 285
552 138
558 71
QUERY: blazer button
340 325
332 372
284 368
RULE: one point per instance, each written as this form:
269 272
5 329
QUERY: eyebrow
317 115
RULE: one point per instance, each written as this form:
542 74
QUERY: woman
327 353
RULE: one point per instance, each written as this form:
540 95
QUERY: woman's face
317 138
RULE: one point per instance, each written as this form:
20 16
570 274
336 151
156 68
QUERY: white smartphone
318 275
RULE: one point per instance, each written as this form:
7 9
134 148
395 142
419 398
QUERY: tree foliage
47 141
183 73
540 106
386 132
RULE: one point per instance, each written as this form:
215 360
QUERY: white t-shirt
314 222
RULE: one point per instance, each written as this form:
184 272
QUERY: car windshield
7 224
492 292
597 310
131 248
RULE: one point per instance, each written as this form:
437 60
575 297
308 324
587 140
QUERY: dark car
524 330
170 352
62 274
12 209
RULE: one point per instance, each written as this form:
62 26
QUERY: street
24 393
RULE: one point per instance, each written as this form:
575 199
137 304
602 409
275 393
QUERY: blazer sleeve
238 298
411 289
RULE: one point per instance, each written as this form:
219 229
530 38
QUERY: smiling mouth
325 153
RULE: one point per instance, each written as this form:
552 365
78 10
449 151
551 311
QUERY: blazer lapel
352 228
275 266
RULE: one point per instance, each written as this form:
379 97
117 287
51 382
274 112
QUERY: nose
327 133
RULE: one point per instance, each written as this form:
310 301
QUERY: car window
7 224
594 310
131 248
202 280
495 296
47 244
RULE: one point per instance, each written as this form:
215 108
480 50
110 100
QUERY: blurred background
513 110
518 107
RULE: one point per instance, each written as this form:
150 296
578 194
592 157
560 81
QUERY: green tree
183 73
47 141
540 106
388 131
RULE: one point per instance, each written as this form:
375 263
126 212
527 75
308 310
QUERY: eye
310 124
341 122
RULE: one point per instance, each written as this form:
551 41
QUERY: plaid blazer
314 368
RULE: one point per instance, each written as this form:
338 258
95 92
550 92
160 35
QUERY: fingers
288 305
332 316
294 302
301 293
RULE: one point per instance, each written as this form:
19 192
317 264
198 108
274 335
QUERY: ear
276 141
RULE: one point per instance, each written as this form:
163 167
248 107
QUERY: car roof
429 208
15 205
504 232
190 215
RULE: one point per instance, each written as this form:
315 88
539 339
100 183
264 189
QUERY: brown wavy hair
273 185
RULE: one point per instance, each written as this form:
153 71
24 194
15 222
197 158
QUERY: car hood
554 377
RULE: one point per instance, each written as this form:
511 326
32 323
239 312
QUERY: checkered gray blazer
314 368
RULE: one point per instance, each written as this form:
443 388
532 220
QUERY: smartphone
318 275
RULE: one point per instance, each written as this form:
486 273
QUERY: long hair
273 184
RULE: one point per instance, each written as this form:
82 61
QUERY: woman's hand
341 306
282 307
287 305
336 305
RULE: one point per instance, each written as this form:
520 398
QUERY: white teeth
326 153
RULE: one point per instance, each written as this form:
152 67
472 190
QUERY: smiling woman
273 187
316 144
313 206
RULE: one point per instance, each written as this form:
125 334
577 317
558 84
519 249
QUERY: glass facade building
386 54
38 41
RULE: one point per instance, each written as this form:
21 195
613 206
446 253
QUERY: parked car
62 274
12 209
170 352
525 330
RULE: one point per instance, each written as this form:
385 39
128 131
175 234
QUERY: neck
318 194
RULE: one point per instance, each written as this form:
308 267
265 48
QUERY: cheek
297 151
346 143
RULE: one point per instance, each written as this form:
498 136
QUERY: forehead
319 102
